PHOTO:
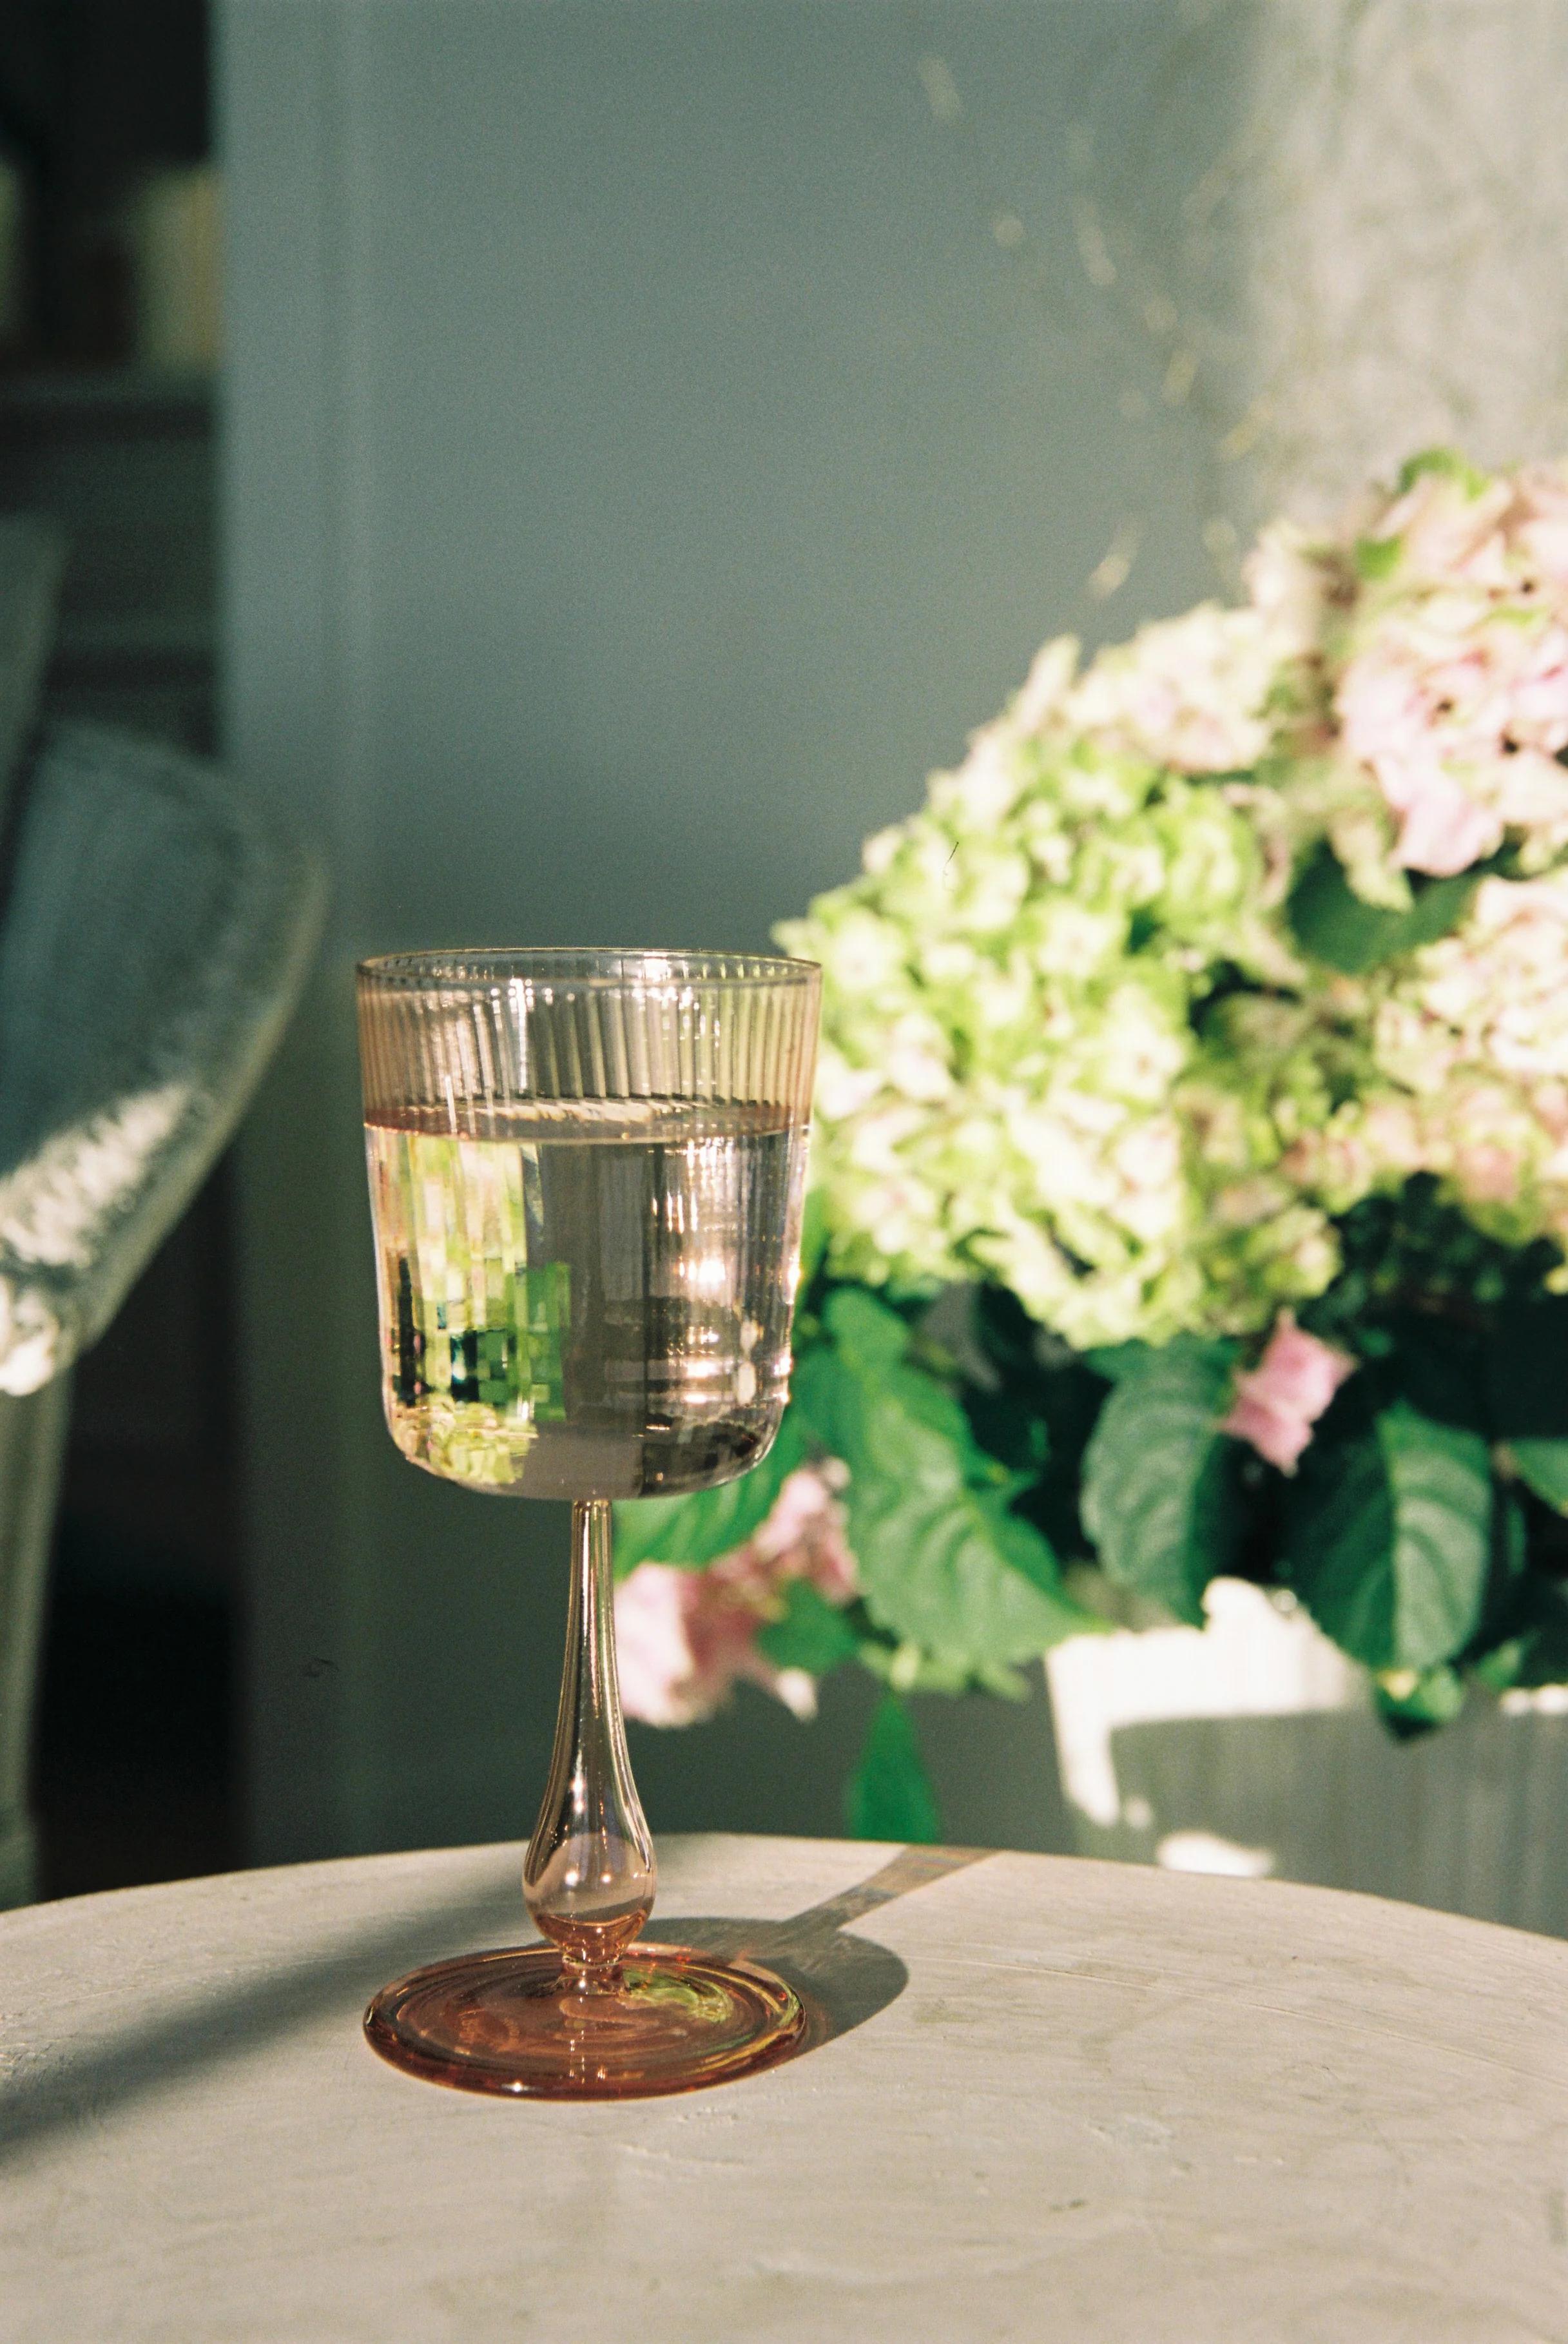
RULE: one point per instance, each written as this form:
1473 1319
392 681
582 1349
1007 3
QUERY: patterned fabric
154 940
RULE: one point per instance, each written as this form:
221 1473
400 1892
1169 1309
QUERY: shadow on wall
718 407
1468 1820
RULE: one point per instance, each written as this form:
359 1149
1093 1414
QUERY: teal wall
657 431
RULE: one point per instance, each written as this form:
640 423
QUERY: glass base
509 2022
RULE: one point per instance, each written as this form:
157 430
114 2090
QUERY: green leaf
907 1668
699 1528
1445 462
1543 1466
812 1237
1041 1412
813 1633
944 1561
866 1331
1159 1495
944 1564
1388 1539
1413 1701
885 1418
1498 1670
1331 922
958 1573
1117 1361
1038 1378
1377 558
889 1794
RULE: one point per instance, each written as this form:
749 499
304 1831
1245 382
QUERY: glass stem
589 1874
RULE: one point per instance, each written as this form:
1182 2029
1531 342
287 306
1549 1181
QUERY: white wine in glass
586 1174
586 1300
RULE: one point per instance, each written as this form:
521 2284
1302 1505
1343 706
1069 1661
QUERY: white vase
1251 1746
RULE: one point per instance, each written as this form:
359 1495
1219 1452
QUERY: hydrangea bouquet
1192 1167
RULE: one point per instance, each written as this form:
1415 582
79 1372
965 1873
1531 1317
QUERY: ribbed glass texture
586 1170
461 1034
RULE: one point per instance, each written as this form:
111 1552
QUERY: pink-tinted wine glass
586 1174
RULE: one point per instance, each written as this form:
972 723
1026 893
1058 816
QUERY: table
1057 2100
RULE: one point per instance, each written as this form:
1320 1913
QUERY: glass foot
509 2022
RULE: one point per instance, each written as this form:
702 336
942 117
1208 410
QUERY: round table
1049 2100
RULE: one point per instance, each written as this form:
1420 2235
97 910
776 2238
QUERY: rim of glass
587 964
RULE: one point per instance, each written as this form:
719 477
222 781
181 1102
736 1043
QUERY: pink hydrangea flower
1539 522
686 1638
1447 529
1280 1401
1288 582
1459 713
1186 693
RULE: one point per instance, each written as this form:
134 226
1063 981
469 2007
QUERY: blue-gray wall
657 431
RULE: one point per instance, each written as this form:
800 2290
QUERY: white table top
1070 2101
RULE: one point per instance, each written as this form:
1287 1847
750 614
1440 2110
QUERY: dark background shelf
134 1775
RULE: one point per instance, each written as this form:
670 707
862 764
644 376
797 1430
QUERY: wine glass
586 1172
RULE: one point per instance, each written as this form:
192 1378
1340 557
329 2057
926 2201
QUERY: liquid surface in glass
588 1298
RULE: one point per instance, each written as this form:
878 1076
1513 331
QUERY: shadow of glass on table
842 1980
48 2089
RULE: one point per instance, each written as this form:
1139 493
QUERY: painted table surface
1055 2100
